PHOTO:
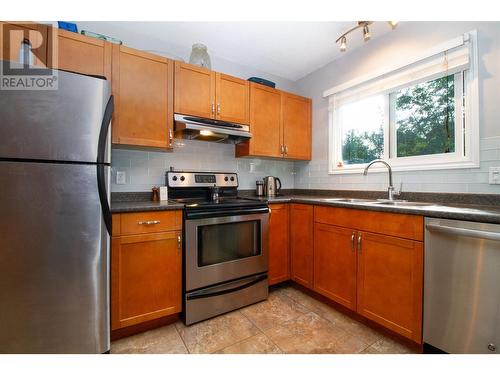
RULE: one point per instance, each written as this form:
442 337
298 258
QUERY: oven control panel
201 179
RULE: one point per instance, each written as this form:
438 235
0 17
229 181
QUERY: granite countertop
446 206
470 212
138 206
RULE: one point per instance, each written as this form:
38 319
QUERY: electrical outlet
494 176
121 178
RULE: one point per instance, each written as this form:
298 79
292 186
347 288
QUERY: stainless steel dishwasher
462 286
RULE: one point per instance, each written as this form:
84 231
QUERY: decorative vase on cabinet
199 56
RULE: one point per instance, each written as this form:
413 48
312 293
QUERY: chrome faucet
390 190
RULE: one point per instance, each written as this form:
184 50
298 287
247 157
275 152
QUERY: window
421 116
362 130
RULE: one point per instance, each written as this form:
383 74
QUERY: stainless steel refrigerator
55 218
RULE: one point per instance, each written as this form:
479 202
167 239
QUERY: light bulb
366 33
206 132
393 24
343 44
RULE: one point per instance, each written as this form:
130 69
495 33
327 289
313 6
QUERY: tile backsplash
314 175
145 169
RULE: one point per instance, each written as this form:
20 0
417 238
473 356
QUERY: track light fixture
366 33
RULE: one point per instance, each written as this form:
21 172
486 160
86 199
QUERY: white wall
407 39
145 169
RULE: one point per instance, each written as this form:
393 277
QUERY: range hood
203 129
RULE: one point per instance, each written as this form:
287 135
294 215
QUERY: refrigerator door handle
103 134
101 152
103 196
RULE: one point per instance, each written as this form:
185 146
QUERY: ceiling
289 50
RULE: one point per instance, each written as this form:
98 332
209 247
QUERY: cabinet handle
179 241
213 108
218 108
353 235
148 222
359 242
170 136
282 149
286 150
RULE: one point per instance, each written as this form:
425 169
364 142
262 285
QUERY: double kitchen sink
394 202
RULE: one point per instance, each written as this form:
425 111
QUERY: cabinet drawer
397 225
150 222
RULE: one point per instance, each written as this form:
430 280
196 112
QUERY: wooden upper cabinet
82 54
296 117
194 90
14 34
265 123
335 263
146 277
301 244
143 88
390 282
279 251
232 97
280 123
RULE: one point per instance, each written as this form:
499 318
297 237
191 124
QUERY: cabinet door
146 277
232 96
82 54
335 263
301 244
12 36
194 90
143 90
265 123
279 252
390 278
296 119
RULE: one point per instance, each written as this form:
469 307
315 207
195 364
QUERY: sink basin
347 200
402 203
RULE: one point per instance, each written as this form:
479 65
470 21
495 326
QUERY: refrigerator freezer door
54 252
62 124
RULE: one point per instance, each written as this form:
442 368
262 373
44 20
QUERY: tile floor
289 321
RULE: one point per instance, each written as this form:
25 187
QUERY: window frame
466 153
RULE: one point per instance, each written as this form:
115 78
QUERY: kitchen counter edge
484 214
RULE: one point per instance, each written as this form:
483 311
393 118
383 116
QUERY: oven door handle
225 289
205 214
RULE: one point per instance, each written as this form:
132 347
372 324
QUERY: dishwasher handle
464 232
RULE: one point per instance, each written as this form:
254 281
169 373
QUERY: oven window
220 243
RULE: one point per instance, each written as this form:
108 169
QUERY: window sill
396 167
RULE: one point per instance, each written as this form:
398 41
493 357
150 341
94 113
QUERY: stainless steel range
225 244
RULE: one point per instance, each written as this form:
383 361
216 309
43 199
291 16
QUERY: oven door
225 246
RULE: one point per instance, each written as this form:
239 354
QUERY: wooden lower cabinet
146 273
378 275
301 244
335 263
279 250
390 283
